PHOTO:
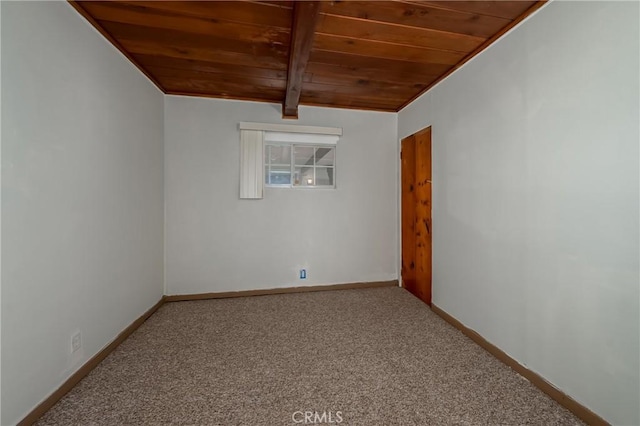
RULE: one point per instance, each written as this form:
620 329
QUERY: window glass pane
277 167
280 178
303 176
325 156
280 175
267 153
303 155
279 155
324 176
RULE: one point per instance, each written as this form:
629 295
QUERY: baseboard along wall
86 368
282 290
578 409
582 412
92 363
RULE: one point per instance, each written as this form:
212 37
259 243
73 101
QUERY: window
289 164
288 156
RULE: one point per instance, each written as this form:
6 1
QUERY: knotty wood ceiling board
377 55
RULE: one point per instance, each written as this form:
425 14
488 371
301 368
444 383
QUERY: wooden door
416 214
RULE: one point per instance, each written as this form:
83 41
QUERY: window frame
292 165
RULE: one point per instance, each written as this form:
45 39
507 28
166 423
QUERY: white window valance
314 139
291 128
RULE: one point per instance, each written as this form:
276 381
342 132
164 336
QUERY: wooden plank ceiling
377 55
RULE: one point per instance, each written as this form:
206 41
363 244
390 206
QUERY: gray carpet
377 356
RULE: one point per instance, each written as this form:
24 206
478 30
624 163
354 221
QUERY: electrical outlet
76 342
303 274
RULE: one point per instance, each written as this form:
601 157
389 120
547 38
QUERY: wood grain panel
161 72
392 92
420 16
370 85
383 65
257 13
408 36
176 91
149 18
221 90
285 4
348 101
327 91
376 49
501 9
151 61
352 104
333 74
181 39
423 215
152 48
408 172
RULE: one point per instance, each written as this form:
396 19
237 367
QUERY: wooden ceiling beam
305 19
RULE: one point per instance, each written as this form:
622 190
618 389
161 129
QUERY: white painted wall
82 197
536 216
0 216
535 209
216 242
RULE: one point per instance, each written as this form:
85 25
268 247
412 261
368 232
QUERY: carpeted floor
366 357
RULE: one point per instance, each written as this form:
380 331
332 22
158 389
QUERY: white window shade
251 164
